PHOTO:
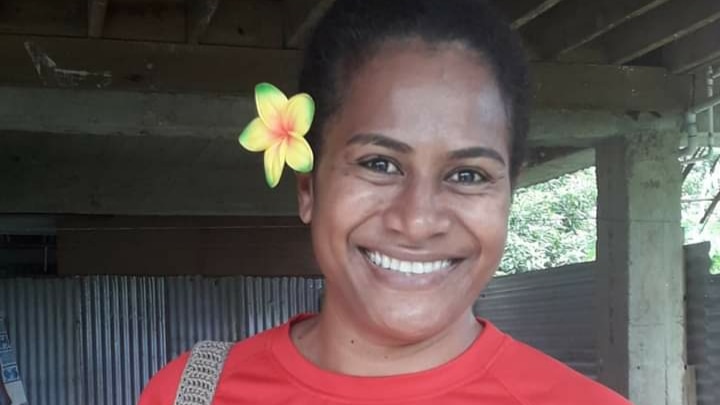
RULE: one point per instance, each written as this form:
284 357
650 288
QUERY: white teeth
389 263
427 267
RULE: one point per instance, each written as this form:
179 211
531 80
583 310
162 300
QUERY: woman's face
410 200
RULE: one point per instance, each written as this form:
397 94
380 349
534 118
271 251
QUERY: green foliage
715 267
702 184
552 224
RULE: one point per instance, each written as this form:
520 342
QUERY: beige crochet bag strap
202 373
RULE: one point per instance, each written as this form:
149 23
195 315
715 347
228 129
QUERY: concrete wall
222 246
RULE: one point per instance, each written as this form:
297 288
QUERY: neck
334 343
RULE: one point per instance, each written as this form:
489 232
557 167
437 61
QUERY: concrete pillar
640 283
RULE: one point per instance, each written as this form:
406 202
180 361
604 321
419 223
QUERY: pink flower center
283 128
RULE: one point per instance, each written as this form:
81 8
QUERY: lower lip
405 281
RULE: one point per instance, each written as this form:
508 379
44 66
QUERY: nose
417 213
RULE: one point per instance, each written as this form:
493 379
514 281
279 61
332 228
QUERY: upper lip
412 257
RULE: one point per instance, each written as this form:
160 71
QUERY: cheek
488 221
345 202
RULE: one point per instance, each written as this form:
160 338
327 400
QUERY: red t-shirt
495 370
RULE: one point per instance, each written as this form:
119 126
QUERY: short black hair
353 30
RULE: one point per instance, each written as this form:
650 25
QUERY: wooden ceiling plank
659 27
68 18
96 17
574 23
519 12
309 12
143 20
693 51
200 15
247 23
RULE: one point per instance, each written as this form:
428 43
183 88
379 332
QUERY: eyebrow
477 152
401 147
380 140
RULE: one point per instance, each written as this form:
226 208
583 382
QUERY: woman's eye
467 177
381 166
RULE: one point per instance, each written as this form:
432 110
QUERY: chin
410 324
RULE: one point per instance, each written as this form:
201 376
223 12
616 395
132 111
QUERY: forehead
413 86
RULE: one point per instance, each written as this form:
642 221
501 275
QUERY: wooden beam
159 172
531 11
155 67
200 14
611 88
143 175
27 225
659 27
96 17
126 113
146 66
574 105
190 246
303 16
574 23
694 50
554 168
575 122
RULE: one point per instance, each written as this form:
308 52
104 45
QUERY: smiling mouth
386 262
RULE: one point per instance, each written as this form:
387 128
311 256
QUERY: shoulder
535 378
162 388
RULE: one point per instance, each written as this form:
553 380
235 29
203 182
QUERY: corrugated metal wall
123 342
551 310
231 309
96 340
712 339
45 323
696 278
703 313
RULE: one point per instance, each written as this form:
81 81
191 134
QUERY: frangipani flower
280 131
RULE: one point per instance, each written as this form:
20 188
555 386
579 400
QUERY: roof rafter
659 27
520 12
304 15
97 9
694 50
577 22
525 11
200 14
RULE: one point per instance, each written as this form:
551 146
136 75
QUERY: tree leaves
552 224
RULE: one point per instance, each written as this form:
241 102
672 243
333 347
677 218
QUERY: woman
420 130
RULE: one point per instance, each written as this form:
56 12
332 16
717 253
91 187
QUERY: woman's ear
305 197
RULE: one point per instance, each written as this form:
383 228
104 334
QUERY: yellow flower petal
271 104
257 137
299 114
274 163
299 155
